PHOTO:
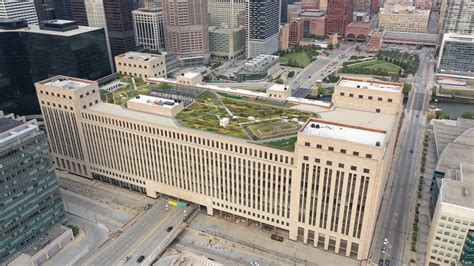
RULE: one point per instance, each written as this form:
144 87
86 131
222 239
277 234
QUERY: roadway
321 68
147 236
395 217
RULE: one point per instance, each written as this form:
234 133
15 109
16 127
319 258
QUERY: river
455 109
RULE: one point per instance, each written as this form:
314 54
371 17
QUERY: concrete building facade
149 28
141 65
404 19
226 43
262 29
187 33
17 9
339 15
319 193
30 201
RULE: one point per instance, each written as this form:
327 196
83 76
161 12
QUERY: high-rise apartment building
325 193
455 56
225 12
263 24
18 9
149 29
296 32
283 11
118 15
30 201
456 16
33 53
338 16
186 30
451 234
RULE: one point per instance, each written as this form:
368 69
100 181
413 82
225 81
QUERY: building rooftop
13 129
191 75
278 87
410 36
66 82
326 129
7 124
358 118
138 56
370 84
154 101
402 9
460 192
260 58
67 33
447 131
460 150
315 13
458 37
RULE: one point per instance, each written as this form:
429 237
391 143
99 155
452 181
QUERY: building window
307 144
353 168
341 165
366 171
319 146
361 96
355 153
379 98
343 151
331 148
390 100
317 160
377 110
368 156
342 93
305 158
351 95
370 97
329 163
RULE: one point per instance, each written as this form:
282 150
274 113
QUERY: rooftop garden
136 86
245 118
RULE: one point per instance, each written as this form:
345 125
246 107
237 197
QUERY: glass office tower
30 203
30 53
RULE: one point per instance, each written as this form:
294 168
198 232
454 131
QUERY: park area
373 66
257 120
132 87
297 59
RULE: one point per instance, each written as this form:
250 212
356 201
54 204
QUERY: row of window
141 75
329 148
249 213
360 96
457 220
140 66
258 153
340 165
64 96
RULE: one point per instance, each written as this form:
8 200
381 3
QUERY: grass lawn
375 64
272 129
124 94
301 59
283 144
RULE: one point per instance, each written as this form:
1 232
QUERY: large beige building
186 30
141 65
451 235
325 193
401 18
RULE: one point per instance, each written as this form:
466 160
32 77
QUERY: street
147 236
395 217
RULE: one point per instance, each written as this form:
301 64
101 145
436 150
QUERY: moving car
169 229
140 259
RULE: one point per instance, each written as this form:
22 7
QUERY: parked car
387 262
140 259
381 262
169 229
277 237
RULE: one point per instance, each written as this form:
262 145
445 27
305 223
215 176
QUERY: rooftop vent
285 88
182 74
377 143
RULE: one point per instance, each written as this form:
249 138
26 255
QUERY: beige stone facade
325 193
404 19
141 65
189 78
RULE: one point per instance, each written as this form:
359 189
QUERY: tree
330 46
468 115
291 74
164 86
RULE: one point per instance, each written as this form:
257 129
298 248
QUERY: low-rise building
359 31
259 68
375 41
141 65
226 43
451 205
455 57
189 78
402 18
155 105
279 92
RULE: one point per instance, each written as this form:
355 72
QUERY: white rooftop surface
35 29
278 87
460 192
117 110
67 84
327 130
154 101
369 85
191 75
137 56
359 118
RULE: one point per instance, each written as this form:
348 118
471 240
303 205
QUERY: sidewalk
90 237
252 236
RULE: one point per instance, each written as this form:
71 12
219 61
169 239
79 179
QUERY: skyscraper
225 12
186 30
74 10
284 11
339 15
30 201
263 23
456 16
149 30
18 9
118 15
29 53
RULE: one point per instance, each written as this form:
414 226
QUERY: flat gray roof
446 131
7 124
460 192
408 36
35 29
